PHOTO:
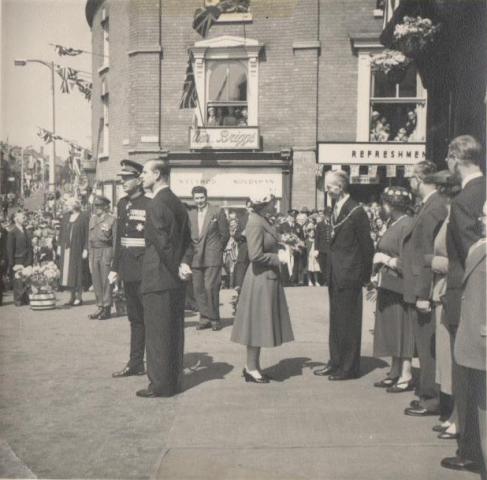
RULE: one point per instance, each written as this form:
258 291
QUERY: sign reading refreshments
221 138
371 153
227 182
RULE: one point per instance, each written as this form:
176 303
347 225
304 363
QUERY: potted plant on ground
392 63
42 281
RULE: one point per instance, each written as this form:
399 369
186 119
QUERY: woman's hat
261 199
443 177
397 197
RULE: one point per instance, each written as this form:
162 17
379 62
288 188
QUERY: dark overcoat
73 239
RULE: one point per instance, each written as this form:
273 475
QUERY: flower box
42 301
415 35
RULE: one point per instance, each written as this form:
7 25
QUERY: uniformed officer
127 260
101 243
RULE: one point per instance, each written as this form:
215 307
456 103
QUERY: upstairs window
227 94
395 108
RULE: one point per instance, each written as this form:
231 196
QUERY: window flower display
392 63
414 35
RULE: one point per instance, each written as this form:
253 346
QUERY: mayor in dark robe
166 263
349 269
72 250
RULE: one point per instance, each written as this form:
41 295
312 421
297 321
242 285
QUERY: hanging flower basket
392 63
415 36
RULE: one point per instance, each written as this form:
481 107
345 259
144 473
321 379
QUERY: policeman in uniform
101 243
127 261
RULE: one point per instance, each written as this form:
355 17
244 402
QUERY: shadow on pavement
226 322
369 364
290 367
200 368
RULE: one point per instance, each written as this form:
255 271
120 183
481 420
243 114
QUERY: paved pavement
63 416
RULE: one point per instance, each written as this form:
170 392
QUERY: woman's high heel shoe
250 378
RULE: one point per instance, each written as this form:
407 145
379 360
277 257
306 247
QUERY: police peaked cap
129 167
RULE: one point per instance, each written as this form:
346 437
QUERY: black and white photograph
243 239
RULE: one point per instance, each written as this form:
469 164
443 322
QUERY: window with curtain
227 94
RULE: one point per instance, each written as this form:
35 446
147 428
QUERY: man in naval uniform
127 260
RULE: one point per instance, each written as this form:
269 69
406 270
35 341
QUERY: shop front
371 166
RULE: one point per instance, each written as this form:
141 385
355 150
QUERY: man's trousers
135 312
164 339
345 333
206 288
100 265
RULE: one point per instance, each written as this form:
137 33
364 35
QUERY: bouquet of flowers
40 278
392 63
414 35
292 240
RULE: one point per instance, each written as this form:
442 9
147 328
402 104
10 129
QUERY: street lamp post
52 160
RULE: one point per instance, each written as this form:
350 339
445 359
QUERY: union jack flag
189 96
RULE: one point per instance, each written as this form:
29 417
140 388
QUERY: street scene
243 239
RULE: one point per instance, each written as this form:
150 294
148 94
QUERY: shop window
227 94
395 108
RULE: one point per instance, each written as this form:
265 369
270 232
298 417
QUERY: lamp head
19 62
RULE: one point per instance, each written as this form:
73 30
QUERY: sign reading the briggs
371 153
218 138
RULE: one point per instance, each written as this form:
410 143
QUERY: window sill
103 69
234 18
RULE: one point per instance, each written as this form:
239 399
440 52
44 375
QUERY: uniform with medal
127 263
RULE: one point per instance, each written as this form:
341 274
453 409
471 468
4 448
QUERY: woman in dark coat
393 331
262 317
72 249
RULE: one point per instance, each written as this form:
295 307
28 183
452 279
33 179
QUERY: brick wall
305 94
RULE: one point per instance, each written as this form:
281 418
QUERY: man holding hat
127 260
101 243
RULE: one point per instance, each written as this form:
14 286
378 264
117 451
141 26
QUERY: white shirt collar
425 199
340 203
158 189
470 177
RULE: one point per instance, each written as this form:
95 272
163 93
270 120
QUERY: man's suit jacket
19 248
208 247
471 337
462 233
351 248
417 247
323 237
168 242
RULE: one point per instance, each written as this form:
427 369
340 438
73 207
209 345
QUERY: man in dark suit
470 352
127 260
417 245
465 155
19 252
209 236
322 244
166 262
350 265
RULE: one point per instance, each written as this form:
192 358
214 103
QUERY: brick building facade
289 79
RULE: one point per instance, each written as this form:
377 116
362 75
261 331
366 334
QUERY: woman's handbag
389 279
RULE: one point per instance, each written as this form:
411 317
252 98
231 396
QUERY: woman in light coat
262 317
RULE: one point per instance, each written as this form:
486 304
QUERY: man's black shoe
203 326
128 372
420 412
458 463
105 314
96 315
323 372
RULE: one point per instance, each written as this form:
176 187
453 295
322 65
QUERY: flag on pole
189 96
72 52
61 71
204 18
